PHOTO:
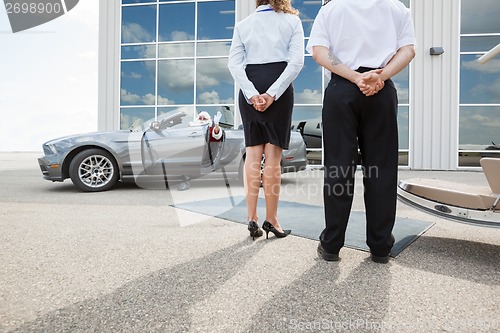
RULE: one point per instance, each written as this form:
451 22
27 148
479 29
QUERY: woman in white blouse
267 54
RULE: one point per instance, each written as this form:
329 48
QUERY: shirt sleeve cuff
316 42
251 94
217 136
405 42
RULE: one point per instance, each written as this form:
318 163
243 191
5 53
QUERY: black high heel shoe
268 227
254 229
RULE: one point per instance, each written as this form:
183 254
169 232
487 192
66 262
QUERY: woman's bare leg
252 179
272 183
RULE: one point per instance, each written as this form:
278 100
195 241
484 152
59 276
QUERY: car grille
44 170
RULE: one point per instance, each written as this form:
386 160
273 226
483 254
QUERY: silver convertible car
168 146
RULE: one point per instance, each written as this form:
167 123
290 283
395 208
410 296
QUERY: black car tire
93 170
241 169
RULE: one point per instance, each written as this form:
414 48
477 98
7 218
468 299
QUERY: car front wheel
93 170
241 169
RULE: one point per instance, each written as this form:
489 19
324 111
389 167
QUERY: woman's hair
284 6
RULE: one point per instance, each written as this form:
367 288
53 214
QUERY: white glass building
159 55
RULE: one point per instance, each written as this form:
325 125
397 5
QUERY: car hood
114 140
92 136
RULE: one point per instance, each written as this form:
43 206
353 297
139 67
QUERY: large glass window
307 87
138 51
479 120
402 84
308 10
176 50
176 81
214 83
215 20
479 83
177 22
480 17
136 1
138 24
133 117
137 83
213 49
174 55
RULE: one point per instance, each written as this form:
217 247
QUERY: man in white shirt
361 44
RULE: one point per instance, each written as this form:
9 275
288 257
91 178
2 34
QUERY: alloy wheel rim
96 171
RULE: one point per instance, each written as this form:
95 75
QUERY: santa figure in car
204 119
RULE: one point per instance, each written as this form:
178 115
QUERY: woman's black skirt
273 125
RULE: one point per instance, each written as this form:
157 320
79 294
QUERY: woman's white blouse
265 37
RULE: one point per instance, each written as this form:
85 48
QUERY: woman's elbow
299 64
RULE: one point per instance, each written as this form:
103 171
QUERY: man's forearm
398 62
328 60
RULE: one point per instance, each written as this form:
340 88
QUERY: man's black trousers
352 120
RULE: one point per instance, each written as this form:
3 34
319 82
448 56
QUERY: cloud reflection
308 96
492 67
135 33
480 16
212 97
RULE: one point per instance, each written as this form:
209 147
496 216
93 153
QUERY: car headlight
52 149
49 149
56 147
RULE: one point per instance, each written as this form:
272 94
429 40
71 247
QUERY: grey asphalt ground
126 261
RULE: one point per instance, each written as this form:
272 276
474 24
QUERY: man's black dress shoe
379 260
382 259
327 256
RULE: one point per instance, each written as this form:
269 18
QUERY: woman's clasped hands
261 102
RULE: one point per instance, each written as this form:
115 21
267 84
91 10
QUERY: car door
176 148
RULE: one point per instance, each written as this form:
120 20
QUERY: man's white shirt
351 30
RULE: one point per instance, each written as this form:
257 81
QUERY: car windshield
168 119
183 117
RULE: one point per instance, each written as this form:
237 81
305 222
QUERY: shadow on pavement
158 302
458 258
319 301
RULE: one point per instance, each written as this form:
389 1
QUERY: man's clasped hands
369 83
